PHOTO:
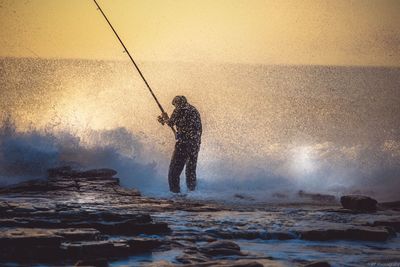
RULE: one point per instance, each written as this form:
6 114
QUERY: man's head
179 101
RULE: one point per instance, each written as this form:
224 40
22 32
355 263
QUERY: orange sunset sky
359 32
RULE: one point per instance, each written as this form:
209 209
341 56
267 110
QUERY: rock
234 234
97 173
129 227
70 215
224 263
92 263
228 263
68 172
358 203
318 264
222 244
250 235
109 216
341 210
20 238
392 222
59 172
71 218
243 197
317 197
105 222
192 258
29 244
76 234
280 235
109 248
220 248
39 186
362 233
23 208
89 249
25 237
127 191
395 205
76 215
143 244
31 185
4 206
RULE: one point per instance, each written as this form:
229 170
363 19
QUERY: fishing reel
163 118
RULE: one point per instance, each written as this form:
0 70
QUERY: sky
310 32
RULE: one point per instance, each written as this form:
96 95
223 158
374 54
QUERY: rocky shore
85 218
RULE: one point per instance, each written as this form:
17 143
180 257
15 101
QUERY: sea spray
28 155
288 128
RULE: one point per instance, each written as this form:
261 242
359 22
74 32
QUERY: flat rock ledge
377 231
359 203
81 216
85 218
358 233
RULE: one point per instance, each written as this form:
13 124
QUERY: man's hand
163 118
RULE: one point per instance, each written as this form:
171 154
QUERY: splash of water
266 129
28 155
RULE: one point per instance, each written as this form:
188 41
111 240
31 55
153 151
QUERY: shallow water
292 252
338 253
168 256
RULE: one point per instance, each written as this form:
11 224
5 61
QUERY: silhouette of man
186 119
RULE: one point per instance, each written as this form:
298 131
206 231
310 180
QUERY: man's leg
191 165
178 160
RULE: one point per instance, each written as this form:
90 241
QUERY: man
187 121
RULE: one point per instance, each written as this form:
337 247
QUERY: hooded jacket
187 120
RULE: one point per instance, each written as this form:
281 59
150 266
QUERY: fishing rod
134 63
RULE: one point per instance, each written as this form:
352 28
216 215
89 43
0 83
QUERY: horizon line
206 63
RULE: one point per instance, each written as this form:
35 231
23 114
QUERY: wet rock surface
390 223
224 263
78 215
318 264
346 233
85 218
359 203
317 197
